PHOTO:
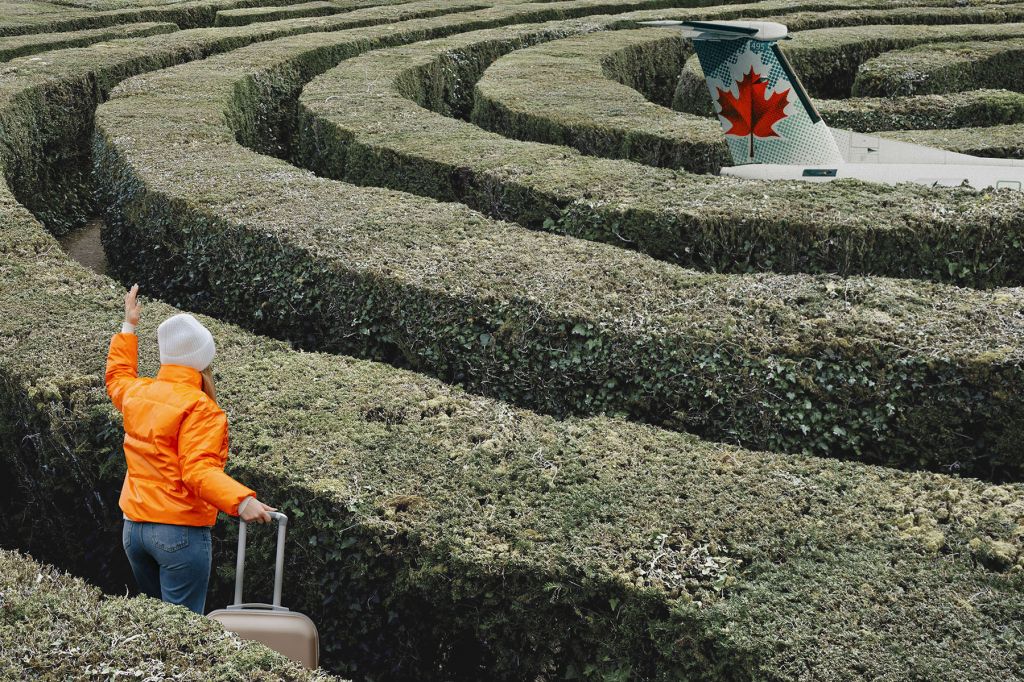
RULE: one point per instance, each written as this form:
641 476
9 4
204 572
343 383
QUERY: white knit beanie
185 341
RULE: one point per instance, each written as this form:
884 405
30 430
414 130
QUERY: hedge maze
55 627
545 397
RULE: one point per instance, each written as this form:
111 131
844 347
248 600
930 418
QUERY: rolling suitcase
288 632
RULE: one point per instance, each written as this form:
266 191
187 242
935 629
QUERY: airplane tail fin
766 114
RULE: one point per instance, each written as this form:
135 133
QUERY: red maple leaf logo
752 113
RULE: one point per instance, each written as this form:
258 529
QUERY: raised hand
132 307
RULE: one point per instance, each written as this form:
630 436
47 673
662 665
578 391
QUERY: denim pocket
167 537
126 534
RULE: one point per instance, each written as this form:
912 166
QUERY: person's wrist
242 505
127 327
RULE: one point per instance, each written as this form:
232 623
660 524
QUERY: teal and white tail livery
765 112
774 131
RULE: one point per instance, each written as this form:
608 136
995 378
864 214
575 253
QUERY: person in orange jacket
175 446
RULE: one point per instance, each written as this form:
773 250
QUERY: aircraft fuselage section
877 159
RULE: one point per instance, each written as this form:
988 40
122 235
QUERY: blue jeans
170 562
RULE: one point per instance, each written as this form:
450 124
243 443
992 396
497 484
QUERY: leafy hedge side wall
447 536
939 69
710 223
441 534
37 17
54 627
444 290
42 18
21 46
1004 141
559 93
829 60
48 167
971 108
241 17
938 120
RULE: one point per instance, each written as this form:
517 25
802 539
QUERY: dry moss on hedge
390 140
943 68
790 363
57 185
54 627
1001 141
560 93
529 536
440 534
21 46
971 108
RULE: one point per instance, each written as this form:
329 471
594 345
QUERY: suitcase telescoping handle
282 524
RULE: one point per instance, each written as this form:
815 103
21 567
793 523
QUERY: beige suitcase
288 632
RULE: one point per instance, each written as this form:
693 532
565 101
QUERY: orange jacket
175 443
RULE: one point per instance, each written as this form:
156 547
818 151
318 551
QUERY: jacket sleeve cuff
243 504
127 328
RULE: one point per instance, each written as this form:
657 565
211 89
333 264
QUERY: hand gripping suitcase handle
282 524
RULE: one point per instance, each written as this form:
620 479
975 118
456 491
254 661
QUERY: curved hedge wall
438 532
943 68
56 184
711 223
559 93
506 316
54 627
829 60
21 46
264 13
971 108
1004 141
444 535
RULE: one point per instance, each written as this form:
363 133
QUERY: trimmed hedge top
955 110
791 363
1005 141
440 534
202 13
943 68
828 60
248 15
20 46
429 516
560 93
713 223
54 627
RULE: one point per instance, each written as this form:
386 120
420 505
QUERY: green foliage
443 535
939 69
21 46
829 61
560 93
435 532
248 15
1000 141
712 224
54 627
972 108
389 276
